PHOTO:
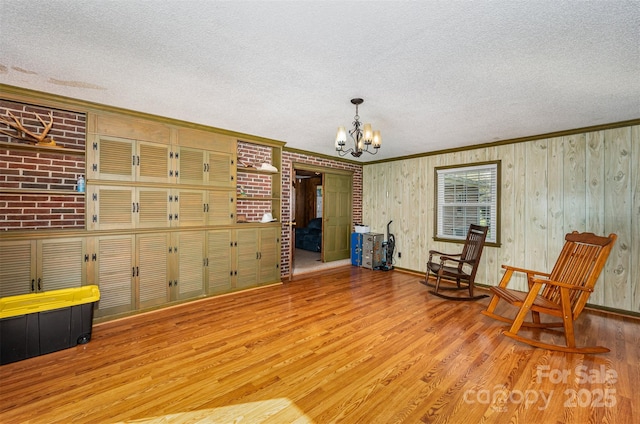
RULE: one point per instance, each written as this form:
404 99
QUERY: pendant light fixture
362 137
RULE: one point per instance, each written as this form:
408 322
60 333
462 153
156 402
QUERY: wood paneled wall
584 182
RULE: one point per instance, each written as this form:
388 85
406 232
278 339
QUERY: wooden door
220 208
17 267
111 207
219 261
112 158
336 226
152 269
153 162
114 273
189 208
152 207
192 166
61 263
247 257
269 255
221 170
189 264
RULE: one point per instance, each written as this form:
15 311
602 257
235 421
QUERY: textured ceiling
434 75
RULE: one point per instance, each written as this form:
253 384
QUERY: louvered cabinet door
152 207
192 166
189 207
17 267
61 263
269 255
247 257
219 261
114 273
220 208
112 158
152 269
189 266
153 163
111 207
221 170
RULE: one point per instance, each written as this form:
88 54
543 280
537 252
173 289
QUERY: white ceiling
433 74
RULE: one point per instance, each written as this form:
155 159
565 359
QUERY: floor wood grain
346 345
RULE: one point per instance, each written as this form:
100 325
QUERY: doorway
314 237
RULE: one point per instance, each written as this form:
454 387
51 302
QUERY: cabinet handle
137 271
86 257
94 257
33 285
39 284
137 207
133 207
170 283
133 271
133 160
138 158
176 174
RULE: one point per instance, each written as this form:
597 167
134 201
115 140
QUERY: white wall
584 182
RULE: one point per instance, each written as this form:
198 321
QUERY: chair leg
438 281
567 318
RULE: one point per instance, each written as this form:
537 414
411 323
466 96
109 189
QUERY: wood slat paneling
583 182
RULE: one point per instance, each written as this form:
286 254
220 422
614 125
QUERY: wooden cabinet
258 256
201 167
120 159
29 266
161 219
124 207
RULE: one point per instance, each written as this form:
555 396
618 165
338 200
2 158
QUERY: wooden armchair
461 267
562 293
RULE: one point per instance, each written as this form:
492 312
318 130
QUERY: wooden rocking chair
562 293
461 267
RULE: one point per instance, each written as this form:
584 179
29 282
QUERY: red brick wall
41 172
257 185
287 166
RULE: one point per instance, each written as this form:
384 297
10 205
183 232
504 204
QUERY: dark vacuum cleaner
389 246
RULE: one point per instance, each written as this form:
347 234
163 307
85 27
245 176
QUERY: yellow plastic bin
38 323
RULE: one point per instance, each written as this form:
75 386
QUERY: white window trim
493 236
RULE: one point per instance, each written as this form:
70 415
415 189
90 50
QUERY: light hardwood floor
347 345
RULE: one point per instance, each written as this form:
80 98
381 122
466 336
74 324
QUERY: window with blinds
467 195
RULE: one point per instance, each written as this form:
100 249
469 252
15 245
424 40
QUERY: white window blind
467 195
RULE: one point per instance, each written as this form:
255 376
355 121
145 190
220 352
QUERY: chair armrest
560 284
526 271
444 258
435 252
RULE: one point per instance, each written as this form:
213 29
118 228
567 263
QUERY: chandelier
362 138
